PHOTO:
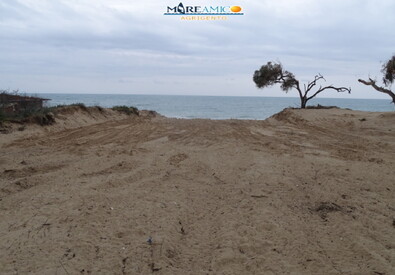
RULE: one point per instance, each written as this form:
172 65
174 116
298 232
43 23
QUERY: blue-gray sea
213 107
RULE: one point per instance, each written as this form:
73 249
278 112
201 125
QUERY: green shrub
42 116
2 116
44 119
99 108
127 110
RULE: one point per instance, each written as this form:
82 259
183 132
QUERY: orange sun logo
235 9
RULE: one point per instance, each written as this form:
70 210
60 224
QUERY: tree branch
380 89
283 77
338 89
314 82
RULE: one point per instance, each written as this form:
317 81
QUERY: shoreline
217 107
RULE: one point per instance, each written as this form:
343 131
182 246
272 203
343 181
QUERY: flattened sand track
304 192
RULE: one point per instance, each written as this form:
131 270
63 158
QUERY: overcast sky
129 46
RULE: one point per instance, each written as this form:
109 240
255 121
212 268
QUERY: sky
130 47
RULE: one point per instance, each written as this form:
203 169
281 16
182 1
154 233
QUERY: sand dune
303 192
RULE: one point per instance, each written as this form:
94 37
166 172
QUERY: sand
303 192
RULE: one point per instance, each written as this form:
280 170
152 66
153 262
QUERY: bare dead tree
273 73
388 70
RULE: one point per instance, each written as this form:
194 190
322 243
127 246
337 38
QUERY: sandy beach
303 192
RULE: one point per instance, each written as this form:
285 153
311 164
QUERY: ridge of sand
303 192
67 118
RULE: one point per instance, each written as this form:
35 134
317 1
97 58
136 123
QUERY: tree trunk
303 102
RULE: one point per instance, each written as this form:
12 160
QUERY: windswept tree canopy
273 73
389 72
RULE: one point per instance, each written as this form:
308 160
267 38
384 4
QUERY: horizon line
297 97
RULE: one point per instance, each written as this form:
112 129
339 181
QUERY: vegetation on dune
43 116
100 109
2 117
127 110
20 108
81 105
273 73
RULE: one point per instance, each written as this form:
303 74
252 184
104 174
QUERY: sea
213 107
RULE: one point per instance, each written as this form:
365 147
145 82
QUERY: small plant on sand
127 110
388 70
273 73
81 105
99 108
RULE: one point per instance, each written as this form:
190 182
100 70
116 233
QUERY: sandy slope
304 192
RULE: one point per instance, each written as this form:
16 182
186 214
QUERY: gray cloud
125 46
